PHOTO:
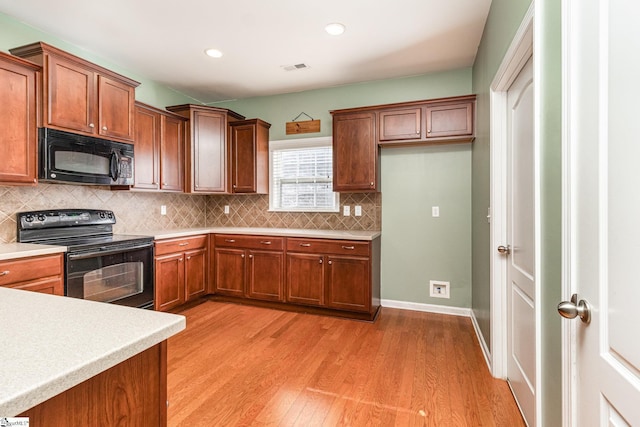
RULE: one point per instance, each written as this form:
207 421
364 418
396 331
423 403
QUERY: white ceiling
165 40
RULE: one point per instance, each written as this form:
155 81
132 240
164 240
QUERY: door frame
519 52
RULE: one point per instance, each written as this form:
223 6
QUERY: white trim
517 55
483 343
568 337
429 308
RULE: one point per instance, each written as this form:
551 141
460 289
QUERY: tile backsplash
139 211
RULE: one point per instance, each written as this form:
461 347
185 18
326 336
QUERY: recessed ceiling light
214 53
335 28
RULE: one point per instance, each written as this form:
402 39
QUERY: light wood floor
238 365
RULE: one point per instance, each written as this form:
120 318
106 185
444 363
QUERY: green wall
502 23
14 34
415 246
504 19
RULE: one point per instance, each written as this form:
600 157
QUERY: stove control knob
29 218
41 217
110 215
101 214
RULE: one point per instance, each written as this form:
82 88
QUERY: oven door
116 274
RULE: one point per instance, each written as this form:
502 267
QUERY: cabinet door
305 279
209 152
115 109
196 273
147 149
171 154
400 124
450 120
243 163
70 96
169 281
355 152
18 139
266 275
230 271
348 283
52 286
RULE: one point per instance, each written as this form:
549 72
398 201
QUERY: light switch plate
226 209
163 209
346 210
435 211
358 210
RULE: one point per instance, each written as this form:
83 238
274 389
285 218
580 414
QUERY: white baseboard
429 308
483 343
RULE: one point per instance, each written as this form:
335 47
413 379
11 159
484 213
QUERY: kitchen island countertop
52 343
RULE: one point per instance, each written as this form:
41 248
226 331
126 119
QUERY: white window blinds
302 176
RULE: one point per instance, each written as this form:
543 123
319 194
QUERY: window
301 172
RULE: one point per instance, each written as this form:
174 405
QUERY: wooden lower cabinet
181 271
40 274
249 267
340 277
132 393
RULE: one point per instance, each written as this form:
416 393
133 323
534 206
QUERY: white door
601 69
521 327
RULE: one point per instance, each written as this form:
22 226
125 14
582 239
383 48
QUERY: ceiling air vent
294 67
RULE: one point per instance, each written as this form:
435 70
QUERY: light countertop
23 250
284 232
52 343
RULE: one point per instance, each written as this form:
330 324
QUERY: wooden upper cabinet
250 156
18 120
450 120
400 124
159 146
207 151
355 153
82 97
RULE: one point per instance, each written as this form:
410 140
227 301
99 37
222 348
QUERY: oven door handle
93 254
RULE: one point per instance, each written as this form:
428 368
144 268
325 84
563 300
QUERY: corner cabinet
250 156
18 120
355 153
207 151
159 149
82 97
180 270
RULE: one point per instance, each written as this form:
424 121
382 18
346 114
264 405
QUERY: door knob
504 250
574 308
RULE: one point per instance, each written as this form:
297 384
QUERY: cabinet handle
242 256
305 245
330 262
350 248
265 242
91 125
320 260
183 244
4 273
104 128
230 240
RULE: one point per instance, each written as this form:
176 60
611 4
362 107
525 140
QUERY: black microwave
79 159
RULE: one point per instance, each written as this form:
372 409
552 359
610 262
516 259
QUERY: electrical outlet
163 209
439 289
358 210
226 209
346 210
435 211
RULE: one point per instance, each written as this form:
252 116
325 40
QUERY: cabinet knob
428 130
164 183
250 256
305 245
180 260
230 240
4 273
104 128
320 261
330 262
91 125
371 183
242 256
265 242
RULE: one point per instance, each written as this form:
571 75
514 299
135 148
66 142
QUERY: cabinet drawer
341 247
249 242
21 270
169 246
